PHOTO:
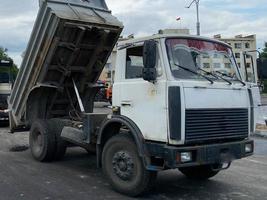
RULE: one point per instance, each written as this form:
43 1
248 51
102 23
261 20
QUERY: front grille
215 124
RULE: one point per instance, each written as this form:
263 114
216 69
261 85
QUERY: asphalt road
76 177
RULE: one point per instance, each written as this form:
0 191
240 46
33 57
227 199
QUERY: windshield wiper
194 72
214 75
223 74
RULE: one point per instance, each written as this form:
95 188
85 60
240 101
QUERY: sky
146 17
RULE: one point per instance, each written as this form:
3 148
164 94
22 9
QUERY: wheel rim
123 165
37 144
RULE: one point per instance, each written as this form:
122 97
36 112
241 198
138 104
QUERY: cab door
250 76
141 101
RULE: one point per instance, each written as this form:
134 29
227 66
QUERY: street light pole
198 22
197 8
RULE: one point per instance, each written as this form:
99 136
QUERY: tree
264 52
4 56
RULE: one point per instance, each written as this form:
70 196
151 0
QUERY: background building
107 74
241 44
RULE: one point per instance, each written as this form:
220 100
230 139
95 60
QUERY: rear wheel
55 127
200 172
124 168
42 141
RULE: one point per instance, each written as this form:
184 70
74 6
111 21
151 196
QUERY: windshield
203 57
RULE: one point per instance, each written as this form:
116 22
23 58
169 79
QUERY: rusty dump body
71 40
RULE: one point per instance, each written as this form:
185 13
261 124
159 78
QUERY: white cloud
16 56
15 30
146 17
228 17
16 22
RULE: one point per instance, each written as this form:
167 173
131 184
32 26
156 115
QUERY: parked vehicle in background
104 93
171 107
109 93
6 80
101 94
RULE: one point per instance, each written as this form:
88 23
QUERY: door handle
126 103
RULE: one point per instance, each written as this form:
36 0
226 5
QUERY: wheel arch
36 105
112 127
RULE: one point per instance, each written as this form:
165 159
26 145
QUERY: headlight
249 148
186 157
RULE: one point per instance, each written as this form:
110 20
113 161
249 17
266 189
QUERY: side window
134 62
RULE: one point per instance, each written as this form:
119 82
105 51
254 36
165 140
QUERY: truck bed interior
70 42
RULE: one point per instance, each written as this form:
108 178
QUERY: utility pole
197 8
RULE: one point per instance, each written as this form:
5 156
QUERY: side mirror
149 59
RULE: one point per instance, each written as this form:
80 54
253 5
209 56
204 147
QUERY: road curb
260 134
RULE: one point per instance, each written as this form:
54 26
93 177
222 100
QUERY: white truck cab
183 101
197 95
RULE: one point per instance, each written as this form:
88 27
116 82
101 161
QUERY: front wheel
124 168
200 172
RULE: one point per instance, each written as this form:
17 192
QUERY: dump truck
178 101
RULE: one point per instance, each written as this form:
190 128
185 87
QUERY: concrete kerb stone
260 134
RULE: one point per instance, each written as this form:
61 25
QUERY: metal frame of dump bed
71 40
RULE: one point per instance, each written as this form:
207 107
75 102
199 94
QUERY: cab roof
161 36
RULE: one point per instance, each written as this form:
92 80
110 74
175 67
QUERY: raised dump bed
71 41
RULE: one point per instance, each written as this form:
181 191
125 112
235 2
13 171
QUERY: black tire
124 168
200 172
42 141
56 126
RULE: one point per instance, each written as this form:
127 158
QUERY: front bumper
201 154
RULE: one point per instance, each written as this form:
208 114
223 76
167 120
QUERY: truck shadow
170 184
78 157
